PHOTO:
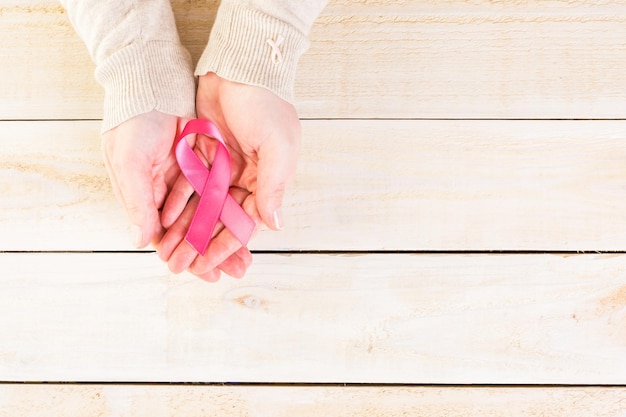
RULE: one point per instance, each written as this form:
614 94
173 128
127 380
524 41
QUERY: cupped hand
142 168
262 133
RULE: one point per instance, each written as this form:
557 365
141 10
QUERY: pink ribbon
212 186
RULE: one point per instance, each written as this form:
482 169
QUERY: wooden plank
361 185
47 72
55 192
458 59
281 401
454 319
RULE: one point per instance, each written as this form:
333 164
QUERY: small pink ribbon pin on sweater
212 186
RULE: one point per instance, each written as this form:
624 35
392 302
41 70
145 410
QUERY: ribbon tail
212 199
203 223
237 221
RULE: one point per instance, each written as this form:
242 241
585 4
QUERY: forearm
259 42
139 59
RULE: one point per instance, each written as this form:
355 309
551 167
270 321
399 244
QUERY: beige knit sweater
142 65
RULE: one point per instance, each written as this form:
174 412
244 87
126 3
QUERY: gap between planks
310 384
350 252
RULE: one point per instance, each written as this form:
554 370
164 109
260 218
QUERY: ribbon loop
212 186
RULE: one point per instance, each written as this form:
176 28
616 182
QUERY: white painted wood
402 59
455 319
55 192
361 185
277 401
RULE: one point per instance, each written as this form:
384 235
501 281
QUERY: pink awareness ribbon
212 186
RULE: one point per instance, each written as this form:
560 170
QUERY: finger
182 258
250 207
176 233
136 187
246 256
157 238
174 249
176 201
220 249
165 179
136 233
111 174
178 253
236 264
133 185
276 167
211 276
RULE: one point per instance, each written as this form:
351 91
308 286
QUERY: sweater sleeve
259 42
139 59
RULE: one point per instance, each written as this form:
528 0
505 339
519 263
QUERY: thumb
276 167
137 192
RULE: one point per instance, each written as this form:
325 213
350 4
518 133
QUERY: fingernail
277 217
136 235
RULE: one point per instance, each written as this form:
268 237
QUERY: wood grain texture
422 319
369 59
361 185
56 194
366 185
277 401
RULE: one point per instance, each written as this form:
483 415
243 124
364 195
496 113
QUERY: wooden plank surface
420 319
361 185
365 185
281 401
403 59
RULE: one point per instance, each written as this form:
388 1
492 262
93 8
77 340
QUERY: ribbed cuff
142 77
238 50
